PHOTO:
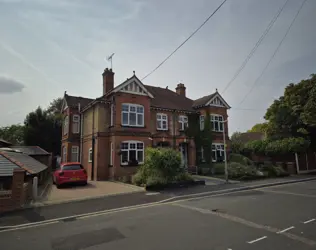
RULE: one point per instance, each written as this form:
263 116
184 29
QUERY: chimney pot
108 80
180 89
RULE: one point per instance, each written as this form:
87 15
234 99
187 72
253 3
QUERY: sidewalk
38 214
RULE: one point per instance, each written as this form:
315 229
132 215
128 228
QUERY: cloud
10 85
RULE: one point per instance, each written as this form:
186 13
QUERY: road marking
290 193
256 240
308 221
285 230
153 193
26 226
248 223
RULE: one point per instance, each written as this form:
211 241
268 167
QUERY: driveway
94 189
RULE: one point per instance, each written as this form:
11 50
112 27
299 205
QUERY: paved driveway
94 189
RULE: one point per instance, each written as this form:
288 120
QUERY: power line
159 65
274 54
254 49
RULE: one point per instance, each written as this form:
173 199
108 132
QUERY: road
282 217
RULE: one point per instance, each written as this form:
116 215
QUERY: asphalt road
282 217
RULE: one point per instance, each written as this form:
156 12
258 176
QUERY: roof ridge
21 165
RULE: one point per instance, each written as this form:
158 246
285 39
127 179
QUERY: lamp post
225 155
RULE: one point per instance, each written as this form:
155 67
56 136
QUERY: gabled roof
168 99
74 101
133 86
209 101
31 150
11 160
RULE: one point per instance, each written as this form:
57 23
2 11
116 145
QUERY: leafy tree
55 106
236 143
13 134
259 127
294 113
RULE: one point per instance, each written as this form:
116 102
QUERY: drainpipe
81 124
174 129
93 144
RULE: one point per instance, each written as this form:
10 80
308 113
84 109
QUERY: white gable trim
64 105
121 87
209 103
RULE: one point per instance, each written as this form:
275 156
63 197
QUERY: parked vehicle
70 172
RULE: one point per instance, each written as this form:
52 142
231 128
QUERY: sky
49 47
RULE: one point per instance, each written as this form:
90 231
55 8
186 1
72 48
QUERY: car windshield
72 167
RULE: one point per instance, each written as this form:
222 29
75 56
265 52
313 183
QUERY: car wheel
85 183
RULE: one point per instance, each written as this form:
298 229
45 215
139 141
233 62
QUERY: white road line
285 230
253 241
308 221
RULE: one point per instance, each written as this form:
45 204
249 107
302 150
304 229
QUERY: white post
225 155
34 188
297 165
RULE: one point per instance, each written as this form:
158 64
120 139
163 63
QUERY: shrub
240 159
184 177
273 171
156 180
219 168
137 179
237 170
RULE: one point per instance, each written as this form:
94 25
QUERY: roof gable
133 86
218 101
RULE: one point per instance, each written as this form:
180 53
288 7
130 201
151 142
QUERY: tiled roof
166 98
6 166
30 150
24 161
73 101
203 100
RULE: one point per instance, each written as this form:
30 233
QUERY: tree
55 106
259 127
294 113
236 143
13 134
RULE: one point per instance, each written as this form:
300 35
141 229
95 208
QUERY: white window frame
202 154
74 150
130 149
112 115
111 152
76 124
90 155
184 122
219 120
162 121
64 157
218 147
66 125
139 115
202 122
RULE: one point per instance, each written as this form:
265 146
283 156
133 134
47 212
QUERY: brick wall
18 195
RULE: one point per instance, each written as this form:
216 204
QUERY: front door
184 154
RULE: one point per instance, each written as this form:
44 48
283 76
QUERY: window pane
132 108
140 145
221 126
132 145
132 155
73 167
140 109
124 156
159 126
216 127
164 117
124 145
220 118
140 118
124 107
213 146
164 124
132 119
158 116
125 118
213 155
140 156
216 118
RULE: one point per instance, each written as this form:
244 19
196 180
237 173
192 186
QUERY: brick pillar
17 187
192 153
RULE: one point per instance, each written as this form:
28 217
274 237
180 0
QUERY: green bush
162 166
237 170
184 177
219 168
240 159
273 171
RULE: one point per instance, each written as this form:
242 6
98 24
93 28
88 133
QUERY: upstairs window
183 122
74 154
132 115
202 122
66 125
162 122
90 155
217 123
112 115
132 152
76 124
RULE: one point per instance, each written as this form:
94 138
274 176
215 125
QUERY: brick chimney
108 80
180 89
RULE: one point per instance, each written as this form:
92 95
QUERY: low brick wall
20 193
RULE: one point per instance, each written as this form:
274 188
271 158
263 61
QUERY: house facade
108 135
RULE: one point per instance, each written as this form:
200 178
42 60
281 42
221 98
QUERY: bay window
132 115
162 122
132 152
183 122
217 123
201 122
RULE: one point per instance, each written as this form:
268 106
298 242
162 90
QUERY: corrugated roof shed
6 166
31 150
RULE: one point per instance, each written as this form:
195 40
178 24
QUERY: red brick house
109 133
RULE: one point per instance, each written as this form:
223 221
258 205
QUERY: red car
71 172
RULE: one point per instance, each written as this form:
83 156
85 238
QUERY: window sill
165 130
127 165
131 126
